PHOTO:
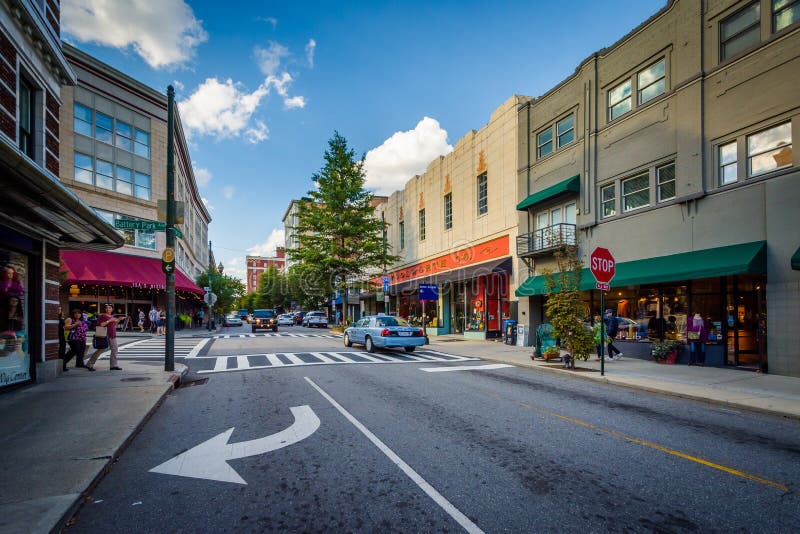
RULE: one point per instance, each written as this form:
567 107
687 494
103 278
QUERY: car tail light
386 332
417 333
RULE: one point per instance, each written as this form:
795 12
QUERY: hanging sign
428 292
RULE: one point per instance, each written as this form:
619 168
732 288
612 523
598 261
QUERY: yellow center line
644 443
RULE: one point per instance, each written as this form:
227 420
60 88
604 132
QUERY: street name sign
146 226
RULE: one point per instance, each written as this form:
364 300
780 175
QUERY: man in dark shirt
612 328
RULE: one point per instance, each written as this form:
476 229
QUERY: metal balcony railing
546 239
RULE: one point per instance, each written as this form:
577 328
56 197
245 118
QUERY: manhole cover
135 379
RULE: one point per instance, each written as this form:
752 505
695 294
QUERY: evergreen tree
340 241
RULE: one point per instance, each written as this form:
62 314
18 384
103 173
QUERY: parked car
286 319
384 331
232 320
316 318
264 319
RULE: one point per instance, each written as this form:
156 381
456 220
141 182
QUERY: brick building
256 265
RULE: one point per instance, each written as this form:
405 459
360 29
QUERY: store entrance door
746 320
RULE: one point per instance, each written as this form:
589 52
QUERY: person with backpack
612 329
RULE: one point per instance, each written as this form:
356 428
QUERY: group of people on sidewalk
73 331
696 337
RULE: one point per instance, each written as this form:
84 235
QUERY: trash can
510 332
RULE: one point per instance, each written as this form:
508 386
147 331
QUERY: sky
262 86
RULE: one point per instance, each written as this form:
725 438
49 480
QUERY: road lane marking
672 452
423 484
274 360
197 348
221 364
465 368
242 362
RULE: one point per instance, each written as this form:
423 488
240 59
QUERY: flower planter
670 359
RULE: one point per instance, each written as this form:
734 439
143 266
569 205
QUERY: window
636 192
565 130
84 168
608 200
740 31
483 194
82 121
769 150
544 143
104 174
142 143
124 181
402 235
124 134
784 13
619 100
422 225
142 186
27 116
571 213
651 82
728 172
666 182
103 127
448 211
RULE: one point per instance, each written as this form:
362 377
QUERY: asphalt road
401 449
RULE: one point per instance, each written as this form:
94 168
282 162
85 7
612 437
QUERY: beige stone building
454 229
673 149
114 157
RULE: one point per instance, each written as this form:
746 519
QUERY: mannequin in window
696 336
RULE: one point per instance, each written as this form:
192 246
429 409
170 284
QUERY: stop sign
602 265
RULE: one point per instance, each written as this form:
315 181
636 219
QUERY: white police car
384 332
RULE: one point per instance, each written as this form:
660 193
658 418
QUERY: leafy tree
273 290
340 241
227 288
564 305
306 287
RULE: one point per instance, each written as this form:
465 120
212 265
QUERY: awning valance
745 258
796 260
114 269
570 185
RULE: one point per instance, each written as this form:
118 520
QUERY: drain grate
135 379
189 383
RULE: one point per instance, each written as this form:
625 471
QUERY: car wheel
369 345
409 349
274 328
347 342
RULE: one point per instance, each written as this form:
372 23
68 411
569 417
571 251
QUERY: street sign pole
602 333
209 284
169 344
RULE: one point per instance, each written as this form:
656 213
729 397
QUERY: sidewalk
746 390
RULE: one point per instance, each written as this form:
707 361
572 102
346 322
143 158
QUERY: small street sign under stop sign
603 267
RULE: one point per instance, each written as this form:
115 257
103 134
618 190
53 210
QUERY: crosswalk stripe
324 358
221 364
293 358
274 360
242 362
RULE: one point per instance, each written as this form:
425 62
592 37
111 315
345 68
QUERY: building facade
114 153
673 148
257 265
39 216
453 231
290 222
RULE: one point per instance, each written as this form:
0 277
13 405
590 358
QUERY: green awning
747 258
796 260
571 185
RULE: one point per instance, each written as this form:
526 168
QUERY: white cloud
163 33
405 154
235 267
228 191
269 59
310 48
207 204
294 102
201 176
219 108
269 20
178 85
257 133
276 238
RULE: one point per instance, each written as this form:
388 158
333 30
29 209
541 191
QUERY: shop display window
15 364
476 305
706 299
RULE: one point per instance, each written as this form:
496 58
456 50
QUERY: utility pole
210 287
169 345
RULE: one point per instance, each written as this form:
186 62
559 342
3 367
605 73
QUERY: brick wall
8 87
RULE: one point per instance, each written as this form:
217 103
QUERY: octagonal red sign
602 265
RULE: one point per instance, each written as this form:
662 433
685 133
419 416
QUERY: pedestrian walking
697 336
153 317
162 323
597 333
612 328
110 322
141 320
76 328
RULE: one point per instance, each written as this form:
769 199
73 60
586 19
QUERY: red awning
113 269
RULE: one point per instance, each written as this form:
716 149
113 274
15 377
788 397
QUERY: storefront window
15 361
476 305
707 301
457 309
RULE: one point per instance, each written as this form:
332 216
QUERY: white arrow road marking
465 368
424 485
208 460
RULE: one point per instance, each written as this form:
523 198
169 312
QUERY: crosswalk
275 334
224 364
153 348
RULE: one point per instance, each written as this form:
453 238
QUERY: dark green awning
796 260
571 185
747 258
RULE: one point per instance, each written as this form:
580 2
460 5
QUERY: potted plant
551 353
666 351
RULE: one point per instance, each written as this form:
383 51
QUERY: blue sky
263 85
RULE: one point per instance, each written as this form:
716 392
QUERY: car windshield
390 321
263 313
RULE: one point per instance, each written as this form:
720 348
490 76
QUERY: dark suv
265 319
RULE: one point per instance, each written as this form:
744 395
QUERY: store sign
428 292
